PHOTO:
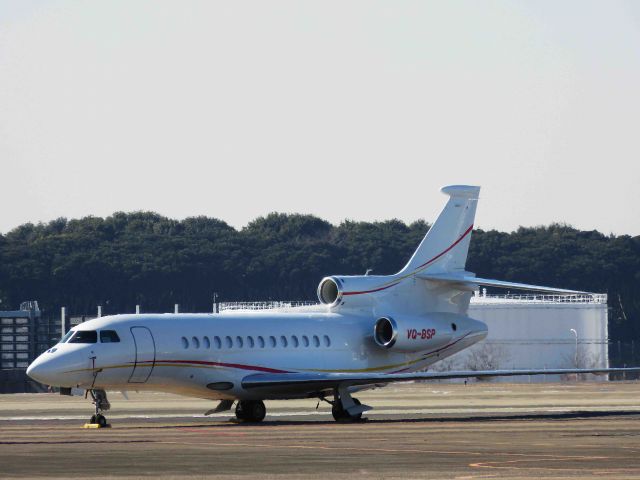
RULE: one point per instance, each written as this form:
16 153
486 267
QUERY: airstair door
145 354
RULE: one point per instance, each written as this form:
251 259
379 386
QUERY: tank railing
478 299
270 305
542 298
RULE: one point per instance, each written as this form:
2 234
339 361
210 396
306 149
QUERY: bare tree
581 359
486 356
446 364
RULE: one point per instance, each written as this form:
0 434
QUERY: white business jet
367 331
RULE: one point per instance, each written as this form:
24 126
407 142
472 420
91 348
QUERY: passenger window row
259 342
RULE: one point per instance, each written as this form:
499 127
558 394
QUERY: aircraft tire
341 415
241 414
101 420
258 411
251 411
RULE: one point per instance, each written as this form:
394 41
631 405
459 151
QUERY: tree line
147 259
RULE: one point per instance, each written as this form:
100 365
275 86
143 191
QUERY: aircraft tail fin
446 245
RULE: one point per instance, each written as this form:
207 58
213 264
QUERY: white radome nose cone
41 371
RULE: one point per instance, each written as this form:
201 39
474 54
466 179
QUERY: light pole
573 330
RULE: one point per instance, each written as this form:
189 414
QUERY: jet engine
352 290
330 291
415 334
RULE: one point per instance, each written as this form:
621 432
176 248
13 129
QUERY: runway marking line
557 469
527 457
319 447
217 432
553 458
65 442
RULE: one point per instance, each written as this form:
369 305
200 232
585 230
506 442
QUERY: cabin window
327 341
294 341
217 342
250 342
109 336
305 341
206 343
272 341
228 341
239 341
316 341
283 341
261 342
84 336
196 342
185 342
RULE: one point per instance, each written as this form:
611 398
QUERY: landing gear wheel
258 411
101 404
98 419
251 411
341 415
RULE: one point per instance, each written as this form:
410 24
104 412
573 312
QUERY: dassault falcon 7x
366 332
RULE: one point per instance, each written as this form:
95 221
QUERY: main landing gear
341 415
346 408
250 411
98 420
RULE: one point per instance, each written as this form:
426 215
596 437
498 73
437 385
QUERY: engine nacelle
352 291
414 334
330 291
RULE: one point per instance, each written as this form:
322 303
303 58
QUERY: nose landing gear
98 420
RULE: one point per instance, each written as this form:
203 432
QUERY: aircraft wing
470 280
315 382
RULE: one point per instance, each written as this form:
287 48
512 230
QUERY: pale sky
347 110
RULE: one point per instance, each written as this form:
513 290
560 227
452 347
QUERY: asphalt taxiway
431 430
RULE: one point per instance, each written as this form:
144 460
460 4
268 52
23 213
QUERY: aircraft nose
48 368
61 369
40 371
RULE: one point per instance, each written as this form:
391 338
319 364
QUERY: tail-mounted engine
330 291
354 291
415 334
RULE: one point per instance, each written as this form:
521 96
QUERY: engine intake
385 332
329 291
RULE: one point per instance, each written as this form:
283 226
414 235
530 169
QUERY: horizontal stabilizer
471 281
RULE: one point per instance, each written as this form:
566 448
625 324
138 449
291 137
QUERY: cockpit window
109 336
84 336
67 336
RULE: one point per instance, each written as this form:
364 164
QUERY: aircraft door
145 354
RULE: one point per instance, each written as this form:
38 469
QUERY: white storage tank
538 331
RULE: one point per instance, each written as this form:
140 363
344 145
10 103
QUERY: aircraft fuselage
207 355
